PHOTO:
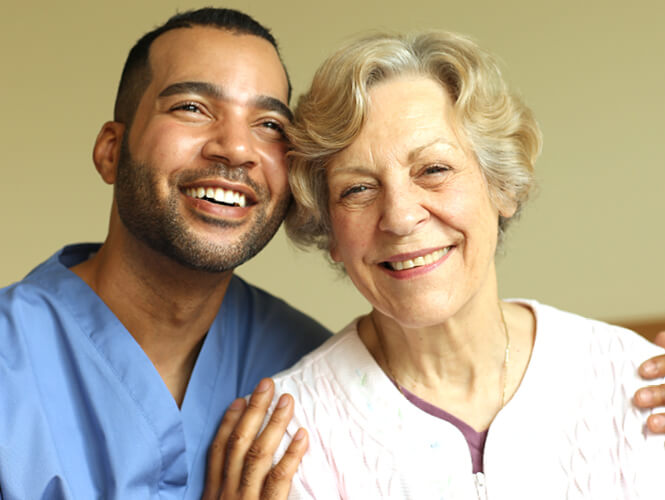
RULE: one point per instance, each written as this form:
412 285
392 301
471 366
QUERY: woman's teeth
423 260
219 195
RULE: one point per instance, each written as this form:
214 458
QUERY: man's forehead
202 52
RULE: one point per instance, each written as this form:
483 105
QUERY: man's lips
421 260
219 195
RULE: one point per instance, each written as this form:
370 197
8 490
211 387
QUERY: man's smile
218 195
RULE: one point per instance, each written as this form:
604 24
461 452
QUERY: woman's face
412 218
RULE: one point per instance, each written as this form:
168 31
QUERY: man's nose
233 143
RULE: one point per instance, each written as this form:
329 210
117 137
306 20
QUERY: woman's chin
418 319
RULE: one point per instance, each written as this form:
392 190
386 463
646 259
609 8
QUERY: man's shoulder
262 333
56 267
38 303
33 288
261 310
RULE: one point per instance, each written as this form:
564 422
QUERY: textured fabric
570 431
474 439
83 412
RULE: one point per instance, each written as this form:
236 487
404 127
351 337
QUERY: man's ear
106 152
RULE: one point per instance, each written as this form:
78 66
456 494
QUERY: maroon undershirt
475 439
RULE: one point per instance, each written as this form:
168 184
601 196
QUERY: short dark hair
136 74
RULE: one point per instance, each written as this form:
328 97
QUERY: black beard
159 224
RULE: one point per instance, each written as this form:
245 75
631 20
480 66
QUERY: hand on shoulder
240 459
654 395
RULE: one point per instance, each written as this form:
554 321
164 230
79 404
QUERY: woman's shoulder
336 383
320 359
589 348
565 325
319 384
316 379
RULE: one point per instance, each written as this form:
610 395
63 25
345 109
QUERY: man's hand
240 460
652 396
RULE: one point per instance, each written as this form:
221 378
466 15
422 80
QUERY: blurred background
591 241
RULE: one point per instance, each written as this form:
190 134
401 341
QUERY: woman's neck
470 365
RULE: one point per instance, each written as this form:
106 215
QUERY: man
117 361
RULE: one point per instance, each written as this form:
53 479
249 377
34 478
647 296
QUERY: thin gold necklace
506 356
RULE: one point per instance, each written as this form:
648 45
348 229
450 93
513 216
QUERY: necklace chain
506 357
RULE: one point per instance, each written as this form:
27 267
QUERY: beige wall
594 72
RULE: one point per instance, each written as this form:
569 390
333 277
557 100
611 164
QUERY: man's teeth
219 195
423 260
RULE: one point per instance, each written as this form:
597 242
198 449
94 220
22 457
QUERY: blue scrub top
84 413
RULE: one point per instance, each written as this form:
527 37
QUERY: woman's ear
503 201
106 152
507 206
334 254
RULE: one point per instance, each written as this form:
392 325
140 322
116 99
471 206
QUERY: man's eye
189 107
274 126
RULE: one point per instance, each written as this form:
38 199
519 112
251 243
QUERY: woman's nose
402 211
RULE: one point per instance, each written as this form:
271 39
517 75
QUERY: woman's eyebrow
442 141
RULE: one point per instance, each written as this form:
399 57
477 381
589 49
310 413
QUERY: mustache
231 174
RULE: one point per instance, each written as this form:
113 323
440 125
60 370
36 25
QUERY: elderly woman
410 159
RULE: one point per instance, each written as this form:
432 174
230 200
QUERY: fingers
650 397
278 483
653 368
217 451
653 396
659 339
243 435
240 459
259 457
656 423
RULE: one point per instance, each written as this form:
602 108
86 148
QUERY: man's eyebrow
201 88
210 90
272 104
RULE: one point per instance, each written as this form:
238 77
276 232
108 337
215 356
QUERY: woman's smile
397 263
412 216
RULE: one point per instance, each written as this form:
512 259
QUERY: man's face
202 176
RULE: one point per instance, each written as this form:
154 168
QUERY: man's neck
165 306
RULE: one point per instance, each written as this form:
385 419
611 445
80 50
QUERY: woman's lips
421 260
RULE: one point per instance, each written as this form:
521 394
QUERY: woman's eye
353 190
436 169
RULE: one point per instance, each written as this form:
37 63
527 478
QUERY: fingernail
263 386
299 435
658 421
283 401
649 368
645 396
238 404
